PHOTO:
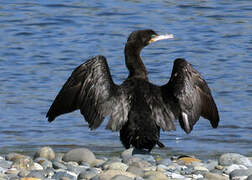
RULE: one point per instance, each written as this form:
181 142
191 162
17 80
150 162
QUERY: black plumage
138 108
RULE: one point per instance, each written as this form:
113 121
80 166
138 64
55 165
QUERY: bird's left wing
189 96
91 89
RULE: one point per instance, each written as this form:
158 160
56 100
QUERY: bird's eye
153 35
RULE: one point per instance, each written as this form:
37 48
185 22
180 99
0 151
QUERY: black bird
137 107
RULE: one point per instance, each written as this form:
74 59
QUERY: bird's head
143 38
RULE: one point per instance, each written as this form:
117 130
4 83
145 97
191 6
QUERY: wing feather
91 89
191 94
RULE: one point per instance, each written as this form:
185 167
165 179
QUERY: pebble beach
131 164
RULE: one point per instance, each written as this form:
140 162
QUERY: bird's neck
134 62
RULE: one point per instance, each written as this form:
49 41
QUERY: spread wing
91 89
189 92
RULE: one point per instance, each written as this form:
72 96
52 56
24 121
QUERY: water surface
41 42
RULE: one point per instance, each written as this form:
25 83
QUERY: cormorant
137 107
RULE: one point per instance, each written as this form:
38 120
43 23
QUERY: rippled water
41 42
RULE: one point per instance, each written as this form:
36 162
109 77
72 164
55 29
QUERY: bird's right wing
189 92
91 89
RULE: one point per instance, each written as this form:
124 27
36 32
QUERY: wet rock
88 174
200 168
14 156
249 177
154 175
97 162
211 164
214 176
29 178
187 160
121 177
177 176
61 174
23 173
240 174
234 158
128 153
37 174
5 164
45 152
229 169
76 169
58 165
116 166
135 170
58 157
45 163
23 162
12 171
134 161
79 155
146 157
109 174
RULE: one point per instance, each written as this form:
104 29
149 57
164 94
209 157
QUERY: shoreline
82 163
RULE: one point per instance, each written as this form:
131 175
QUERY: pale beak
161 37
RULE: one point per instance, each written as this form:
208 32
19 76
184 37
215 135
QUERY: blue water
41 42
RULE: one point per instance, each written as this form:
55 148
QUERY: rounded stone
146 157
234 158
135 170
79 155
5 164
58 165
45 163
211 164
61 174
88 174
121 177
75 169
37 174
109 174
154 175
200 168
23 173
214 176
240 173
45 152
233 167
23 163
249 177
116 166
13 156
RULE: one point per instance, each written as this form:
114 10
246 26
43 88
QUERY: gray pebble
45 152
23 173
240 173
146 157
234 158
58 165
45 163
61 174
79 155
136 170
211 164
249 178
89 174
75 169
121 177
5 164
37 174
